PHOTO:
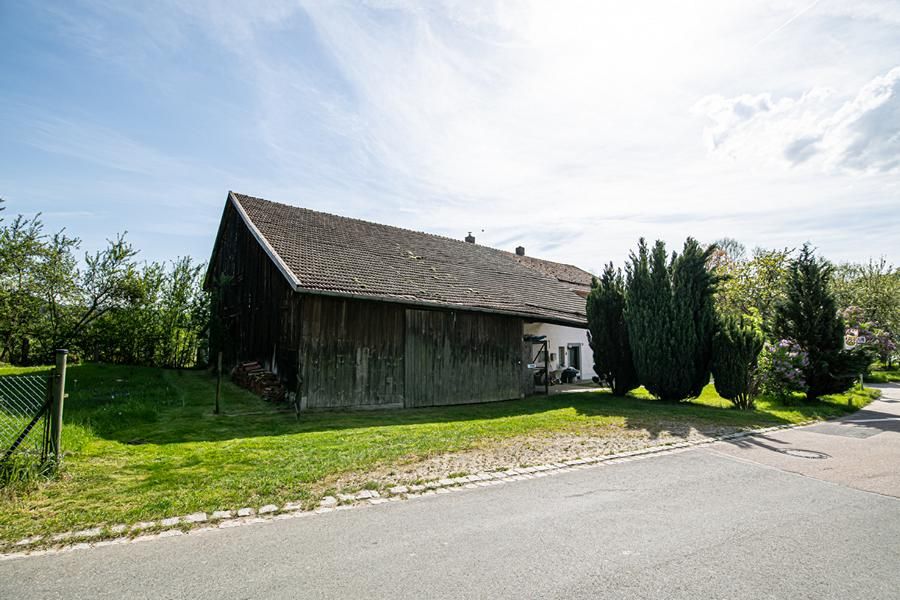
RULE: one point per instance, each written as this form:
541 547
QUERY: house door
575 356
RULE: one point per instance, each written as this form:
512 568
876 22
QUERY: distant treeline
106 307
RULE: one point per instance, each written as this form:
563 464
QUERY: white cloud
861 134
865 133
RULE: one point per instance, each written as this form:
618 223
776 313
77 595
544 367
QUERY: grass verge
884 374
143 444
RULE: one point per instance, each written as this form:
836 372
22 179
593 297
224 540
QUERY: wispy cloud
569 127
793 18
92 143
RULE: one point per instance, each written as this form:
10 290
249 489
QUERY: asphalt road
802 513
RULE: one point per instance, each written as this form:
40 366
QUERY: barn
353 314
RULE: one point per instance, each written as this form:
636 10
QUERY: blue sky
571 128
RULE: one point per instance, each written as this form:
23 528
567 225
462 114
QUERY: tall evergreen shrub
735 362
609 334
693 290
670 318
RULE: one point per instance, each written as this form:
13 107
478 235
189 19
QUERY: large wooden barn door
352 354
458 358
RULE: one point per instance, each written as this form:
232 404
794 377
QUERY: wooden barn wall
459 358
260 313
527 375
352 354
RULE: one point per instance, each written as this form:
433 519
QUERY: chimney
470 238
520 250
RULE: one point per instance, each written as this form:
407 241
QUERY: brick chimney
520 250
470 238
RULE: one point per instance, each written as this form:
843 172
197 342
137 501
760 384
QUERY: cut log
253 377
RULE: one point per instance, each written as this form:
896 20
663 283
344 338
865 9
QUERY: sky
570 128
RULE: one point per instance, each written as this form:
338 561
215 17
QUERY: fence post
218 380
56 410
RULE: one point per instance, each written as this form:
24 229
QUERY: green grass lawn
144 444
883 374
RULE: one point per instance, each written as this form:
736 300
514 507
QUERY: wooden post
547 367
218 380
56 408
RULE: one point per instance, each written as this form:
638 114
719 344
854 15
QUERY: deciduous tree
873 288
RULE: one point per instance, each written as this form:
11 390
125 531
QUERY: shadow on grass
137 405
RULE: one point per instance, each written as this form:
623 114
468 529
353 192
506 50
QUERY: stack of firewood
252 376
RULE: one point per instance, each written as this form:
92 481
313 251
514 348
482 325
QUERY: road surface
805 513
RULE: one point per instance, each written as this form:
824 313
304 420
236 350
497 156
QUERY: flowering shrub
781 368
868 333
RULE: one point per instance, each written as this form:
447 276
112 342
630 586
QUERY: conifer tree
809 316
609 334
670 317
693 289
642 309
736 347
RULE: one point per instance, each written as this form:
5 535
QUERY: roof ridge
546 260
358 220
395 227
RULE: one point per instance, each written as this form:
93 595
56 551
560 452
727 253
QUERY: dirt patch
526 451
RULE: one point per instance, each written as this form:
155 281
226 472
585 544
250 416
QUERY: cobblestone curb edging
222 519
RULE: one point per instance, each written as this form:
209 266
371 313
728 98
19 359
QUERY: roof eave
532 317
264 244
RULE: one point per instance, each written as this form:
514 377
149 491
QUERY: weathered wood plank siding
351 354
527 375
259 312
459 358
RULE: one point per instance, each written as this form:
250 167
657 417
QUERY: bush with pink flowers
781 368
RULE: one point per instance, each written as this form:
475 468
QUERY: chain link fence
24 417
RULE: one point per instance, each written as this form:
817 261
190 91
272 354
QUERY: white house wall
566 337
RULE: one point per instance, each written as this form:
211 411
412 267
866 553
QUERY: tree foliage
736 347
871 291
728 249
809 316
163 324
671 318
102 306
693 290
608 332
22 252
752 286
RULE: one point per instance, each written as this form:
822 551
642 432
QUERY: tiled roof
327 253
578 279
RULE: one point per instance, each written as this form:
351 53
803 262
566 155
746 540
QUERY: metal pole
56 411
218 380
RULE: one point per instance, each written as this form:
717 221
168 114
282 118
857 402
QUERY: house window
562 357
